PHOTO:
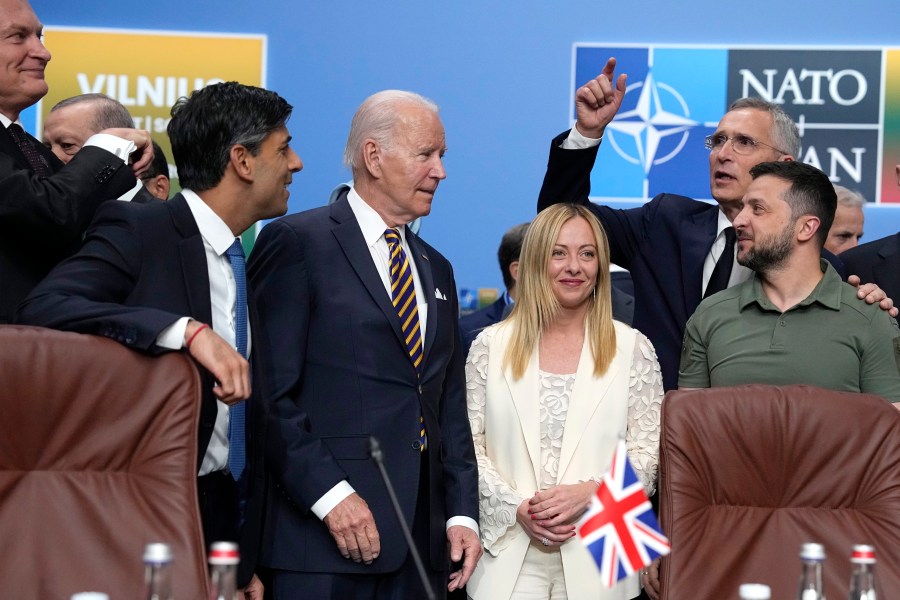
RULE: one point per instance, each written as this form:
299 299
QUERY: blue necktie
237 445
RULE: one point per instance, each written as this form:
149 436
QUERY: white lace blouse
498 500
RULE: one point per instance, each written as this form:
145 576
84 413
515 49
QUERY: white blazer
597 415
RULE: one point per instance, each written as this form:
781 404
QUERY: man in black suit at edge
45 207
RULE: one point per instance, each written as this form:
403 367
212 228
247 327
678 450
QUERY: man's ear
240 159
786 158
158 186
807 226
514 270
372 156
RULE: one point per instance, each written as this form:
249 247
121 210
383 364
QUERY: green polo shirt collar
827 292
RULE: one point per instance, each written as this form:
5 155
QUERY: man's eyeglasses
742 144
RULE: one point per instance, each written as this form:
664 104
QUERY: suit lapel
587 395
525 393
698 232
348 235
193 259
426 278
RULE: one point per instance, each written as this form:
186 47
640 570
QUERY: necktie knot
235 250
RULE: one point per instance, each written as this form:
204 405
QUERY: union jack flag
619 528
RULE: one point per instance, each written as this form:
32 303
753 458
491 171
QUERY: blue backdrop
501 72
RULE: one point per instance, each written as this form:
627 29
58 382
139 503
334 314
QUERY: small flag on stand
619 527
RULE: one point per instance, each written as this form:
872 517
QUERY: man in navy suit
344 368
673 245
158 277
878 261
45 207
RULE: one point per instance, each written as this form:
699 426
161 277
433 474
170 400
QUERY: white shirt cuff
576 141
464 521
110 143
172 337
332 498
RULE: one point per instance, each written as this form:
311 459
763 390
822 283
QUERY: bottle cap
812 551
224 553
90 596
157 552
863 555
755 591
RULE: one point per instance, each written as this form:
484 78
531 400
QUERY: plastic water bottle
157 572
223 562
862 582
812 555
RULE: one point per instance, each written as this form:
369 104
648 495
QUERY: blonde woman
550 389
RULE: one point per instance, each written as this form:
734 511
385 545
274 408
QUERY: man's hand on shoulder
143 154
231 370
871 293
352 526
466 547
598 101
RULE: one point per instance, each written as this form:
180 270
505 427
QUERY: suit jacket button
416 445
420 389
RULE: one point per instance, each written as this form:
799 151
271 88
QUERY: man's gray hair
375 119
849 198
109 113
785 135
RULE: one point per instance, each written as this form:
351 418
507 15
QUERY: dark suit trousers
402 584
218 495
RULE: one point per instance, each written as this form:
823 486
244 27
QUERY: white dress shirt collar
211 226
370 222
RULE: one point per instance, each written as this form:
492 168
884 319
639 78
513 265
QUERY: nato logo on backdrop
677 94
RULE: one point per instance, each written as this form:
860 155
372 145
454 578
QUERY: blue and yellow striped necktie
403 296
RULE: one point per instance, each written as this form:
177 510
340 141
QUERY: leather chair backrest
97 458
750 473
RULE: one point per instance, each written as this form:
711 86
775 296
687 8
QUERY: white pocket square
439 295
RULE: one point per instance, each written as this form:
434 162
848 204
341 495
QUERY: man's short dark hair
108 112
811 192
160 164
216 118
509 251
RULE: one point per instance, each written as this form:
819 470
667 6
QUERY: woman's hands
562 504
550 514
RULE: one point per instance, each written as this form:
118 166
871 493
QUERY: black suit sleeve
89 292
56 210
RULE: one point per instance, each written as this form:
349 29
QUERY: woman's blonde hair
536 306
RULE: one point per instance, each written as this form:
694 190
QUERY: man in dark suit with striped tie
359 318
45 207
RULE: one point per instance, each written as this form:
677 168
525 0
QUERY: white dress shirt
217 238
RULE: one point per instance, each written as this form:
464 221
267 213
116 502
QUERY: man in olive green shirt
795 321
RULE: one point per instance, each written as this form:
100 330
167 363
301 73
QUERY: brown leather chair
97 458
750 473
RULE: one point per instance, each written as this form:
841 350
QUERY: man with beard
794 321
